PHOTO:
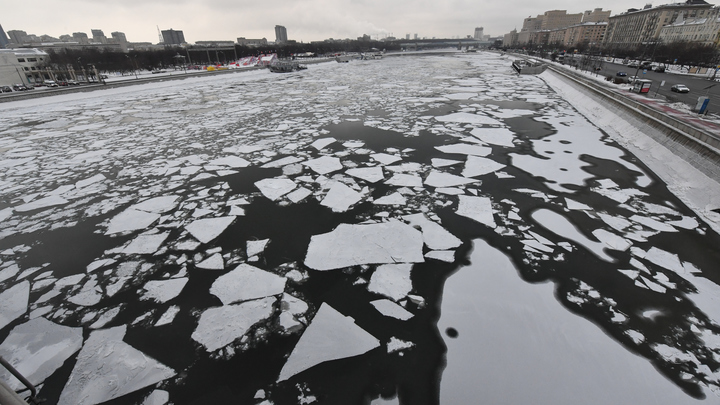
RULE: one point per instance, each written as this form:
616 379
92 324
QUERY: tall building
280 34
17 36
478 34
705 31
81 37
172 37
635 27
4 41
119 37
99 36
597 15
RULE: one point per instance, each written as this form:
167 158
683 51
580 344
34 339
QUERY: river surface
416 230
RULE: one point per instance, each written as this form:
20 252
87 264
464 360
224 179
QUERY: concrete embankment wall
699 148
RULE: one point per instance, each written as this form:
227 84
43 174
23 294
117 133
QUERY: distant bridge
442 42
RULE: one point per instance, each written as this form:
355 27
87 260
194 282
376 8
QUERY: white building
704 30
22 65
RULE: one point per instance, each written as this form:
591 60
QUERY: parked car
5 89
51 83
633 64
72 83
62 83
621 74
659 69
680 88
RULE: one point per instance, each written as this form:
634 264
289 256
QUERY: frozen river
414 230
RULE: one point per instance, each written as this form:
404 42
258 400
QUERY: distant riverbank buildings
692 20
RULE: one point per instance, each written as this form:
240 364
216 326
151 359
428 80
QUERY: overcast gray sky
305 20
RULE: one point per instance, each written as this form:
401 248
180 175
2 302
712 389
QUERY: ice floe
14 302
391 199
164 290
108 368
495 136
391 309
274 189
476 208
465 149
369 174
350 245
324 164
479 166
145 244
441 179
330 336
36 349
434 235
391 280
247 282
205 230
131 220
214 262
561 226
340 197
220 326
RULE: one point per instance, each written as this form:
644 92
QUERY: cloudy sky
305 20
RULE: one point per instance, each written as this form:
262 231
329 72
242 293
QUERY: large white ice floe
275 188
435 236
14 302
392 280
330 336
350 245
205 230
340 197
109 368
220 326
36 349
369 174
245 283
478 166
476 208
392 199
468 118
255 247
441 179
164 290
145 244
131 220
405 180
214 262
324 164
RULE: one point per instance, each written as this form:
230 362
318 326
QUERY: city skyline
311 21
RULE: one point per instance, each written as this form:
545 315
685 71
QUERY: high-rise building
119 37
478 34
17 36
81 37
280 34
4 41
99 36
173 37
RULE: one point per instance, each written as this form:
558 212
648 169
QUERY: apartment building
705 31
635 26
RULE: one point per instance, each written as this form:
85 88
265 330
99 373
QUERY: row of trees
113 61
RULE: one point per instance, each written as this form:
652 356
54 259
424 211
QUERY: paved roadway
697 85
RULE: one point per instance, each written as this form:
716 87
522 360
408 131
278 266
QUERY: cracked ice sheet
109 368
478 166
350 245
324 164
330 336
131 220
369 174
164 290
245 283
273 189
145 244
526 323
37 348
434 235
205 230
220 326
494 136
560 225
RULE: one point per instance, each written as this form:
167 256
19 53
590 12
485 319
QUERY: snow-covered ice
220 326
205 230
247 282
